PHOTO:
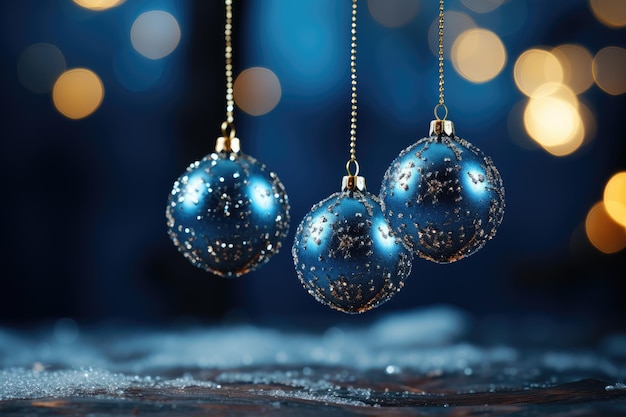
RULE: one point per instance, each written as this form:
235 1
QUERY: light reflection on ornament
195 190
261 195
383 235
475 180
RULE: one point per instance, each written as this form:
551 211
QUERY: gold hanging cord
228 142
352 162
441 105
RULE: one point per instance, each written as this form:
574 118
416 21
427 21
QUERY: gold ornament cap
441 127
353 182
227 144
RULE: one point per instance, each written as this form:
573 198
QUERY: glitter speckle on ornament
346 255
227 213
443 196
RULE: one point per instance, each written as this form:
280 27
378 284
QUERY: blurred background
106 102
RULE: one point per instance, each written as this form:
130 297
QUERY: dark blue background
83 202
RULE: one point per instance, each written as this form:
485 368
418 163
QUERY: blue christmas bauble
346 255
227 213
444 197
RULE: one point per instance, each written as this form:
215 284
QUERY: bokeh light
611 13
155 34
555 124
603 232
257 91
557 90
553 116
615 197
39 66
609 67
393 13
576 62
455 24
478 55
99 5
482 6
534 68
77 93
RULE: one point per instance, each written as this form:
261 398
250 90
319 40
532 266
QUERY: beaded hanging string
440 56
354 102
229 142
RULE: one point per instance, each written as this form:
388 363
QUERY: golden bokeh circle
576 62
534 68
257 91
615 197
99 5
478 55
611 13
77 93
609 67
603 232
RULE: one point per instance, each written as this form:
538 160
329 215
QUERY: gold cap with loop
441 128
227 142
352 181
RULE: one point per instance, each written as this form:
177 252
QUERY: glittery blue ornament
443 196
345 253
227 214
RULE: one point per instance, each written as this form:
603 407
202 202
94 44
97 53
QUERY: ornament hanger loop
349 164
445 110
228 130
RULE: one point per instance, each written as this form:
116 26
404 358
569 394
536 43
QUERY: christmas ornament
227 213
344 251
442 194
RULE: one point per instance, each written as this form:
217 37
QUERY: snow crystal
323 398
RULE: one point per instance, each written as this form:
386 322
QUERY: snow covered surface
415 358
